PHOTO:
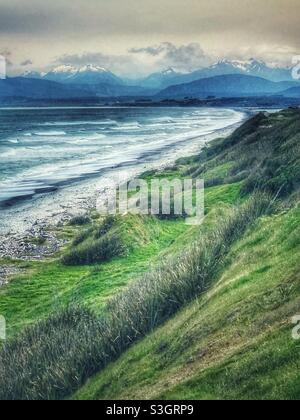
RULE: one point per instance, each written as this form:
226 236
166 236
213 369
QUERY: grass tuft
79 220
95 251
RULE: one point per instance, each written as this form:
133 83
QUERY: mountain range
20 87
92 75
252 67
88 74
231 85
223 79
97 80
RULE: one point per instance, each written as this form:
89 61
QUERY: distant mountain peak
243 65
31 74
169 71
92 68
255 60
74 70
251 67
88 74
64 69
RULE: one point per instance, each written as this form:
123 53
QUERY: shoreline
42 215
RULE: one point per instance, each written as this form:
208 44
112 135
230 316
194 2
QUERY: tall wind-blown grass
55 357
95 251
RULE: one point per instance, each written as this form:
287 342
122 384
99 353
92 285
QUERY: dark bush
105 227
95 251
79 220
82 236
213 182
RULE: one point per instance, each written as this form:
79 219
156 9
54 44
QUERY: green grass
265 370
219 171
234 342
225 194
47 286
52 366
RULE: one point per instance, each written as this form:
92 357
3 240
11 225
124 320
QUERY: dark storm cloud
5 52
16 18
155 50
92 58
26 63
7 55
277 19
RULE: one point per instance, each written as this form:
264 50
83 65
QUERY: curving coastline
37 216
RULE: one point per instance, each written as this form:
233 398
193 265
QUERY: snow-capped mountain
30 74
169 72
85 75
161 80
250 67
241 65
103 82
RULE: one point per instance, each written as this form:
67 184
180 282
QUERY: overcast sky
139 36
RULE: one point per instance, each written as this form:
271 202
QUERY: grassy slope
48 286
235 341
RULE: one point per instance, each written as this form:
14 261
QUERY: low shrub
83 236
105 226
213 182
95 251
79 220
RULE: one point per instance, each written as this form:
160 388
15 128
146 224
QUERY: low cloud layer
119 64
183 58
158 57
26 63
